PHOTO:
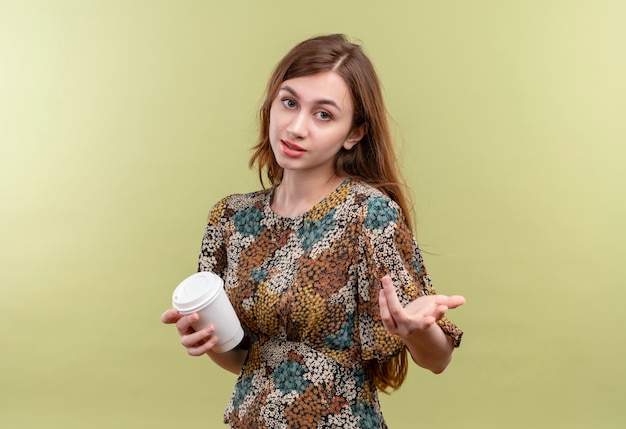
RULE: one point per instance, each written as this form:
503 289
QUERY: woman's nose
298 126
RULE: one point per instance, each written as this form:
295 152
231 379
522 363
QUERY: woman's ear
355 136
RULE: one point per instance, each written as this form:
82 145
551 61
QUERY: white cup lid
196 291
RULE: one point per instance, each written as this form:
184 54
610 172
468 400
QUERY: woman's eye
289 103
325 116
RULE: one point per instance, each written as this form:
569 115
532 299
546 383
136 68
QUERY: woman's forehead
328 87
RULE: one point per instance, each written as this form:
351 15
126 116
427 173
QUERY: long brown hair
372 160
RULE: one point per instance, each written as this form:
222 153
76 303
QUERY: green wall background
122 122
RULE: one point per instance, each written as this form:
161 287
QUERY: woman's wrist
430 348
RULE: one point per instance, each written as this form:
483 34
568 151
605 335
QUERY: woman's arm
231 360
416 324
201 342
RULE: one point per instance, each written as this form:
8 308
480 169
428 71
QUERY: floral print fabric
306 291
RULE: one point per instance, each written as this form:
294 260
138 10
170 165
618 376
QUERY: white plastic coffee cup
204 293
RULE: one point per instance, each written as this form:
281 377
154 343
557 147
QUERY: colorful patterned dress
306 291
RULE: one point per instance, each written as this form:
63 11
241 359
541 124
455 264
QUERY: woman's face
310 121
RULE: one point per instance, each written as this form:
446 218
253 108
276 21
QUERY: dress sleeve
213 255
388 247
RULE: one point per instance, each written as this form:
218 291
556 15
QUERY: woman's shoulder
359 187
243 201
376 209
231 204
366 194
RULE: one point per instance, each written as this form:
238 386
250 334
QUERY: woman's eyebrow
321 101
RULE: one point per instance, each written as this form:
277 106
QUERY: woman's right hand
197 343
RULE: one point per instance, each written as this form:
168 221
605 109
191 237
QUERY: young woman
321 267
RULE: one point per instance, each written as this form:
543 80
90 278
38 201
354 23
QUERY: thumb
385 313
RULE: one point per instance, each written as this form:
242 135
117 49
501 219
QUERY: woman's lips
291 149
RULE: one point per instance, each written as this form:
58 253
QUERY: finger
199 342
385 315
170 316
428 321
456 301
439 312
184 323
202 348
453 301
393 303
196 338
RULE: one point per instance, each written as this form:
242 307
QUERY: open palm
418 314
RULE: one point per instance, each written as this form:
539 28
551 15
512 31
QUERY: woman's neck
297 195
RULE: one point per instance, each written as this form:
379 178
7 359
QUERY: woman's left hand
418 315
